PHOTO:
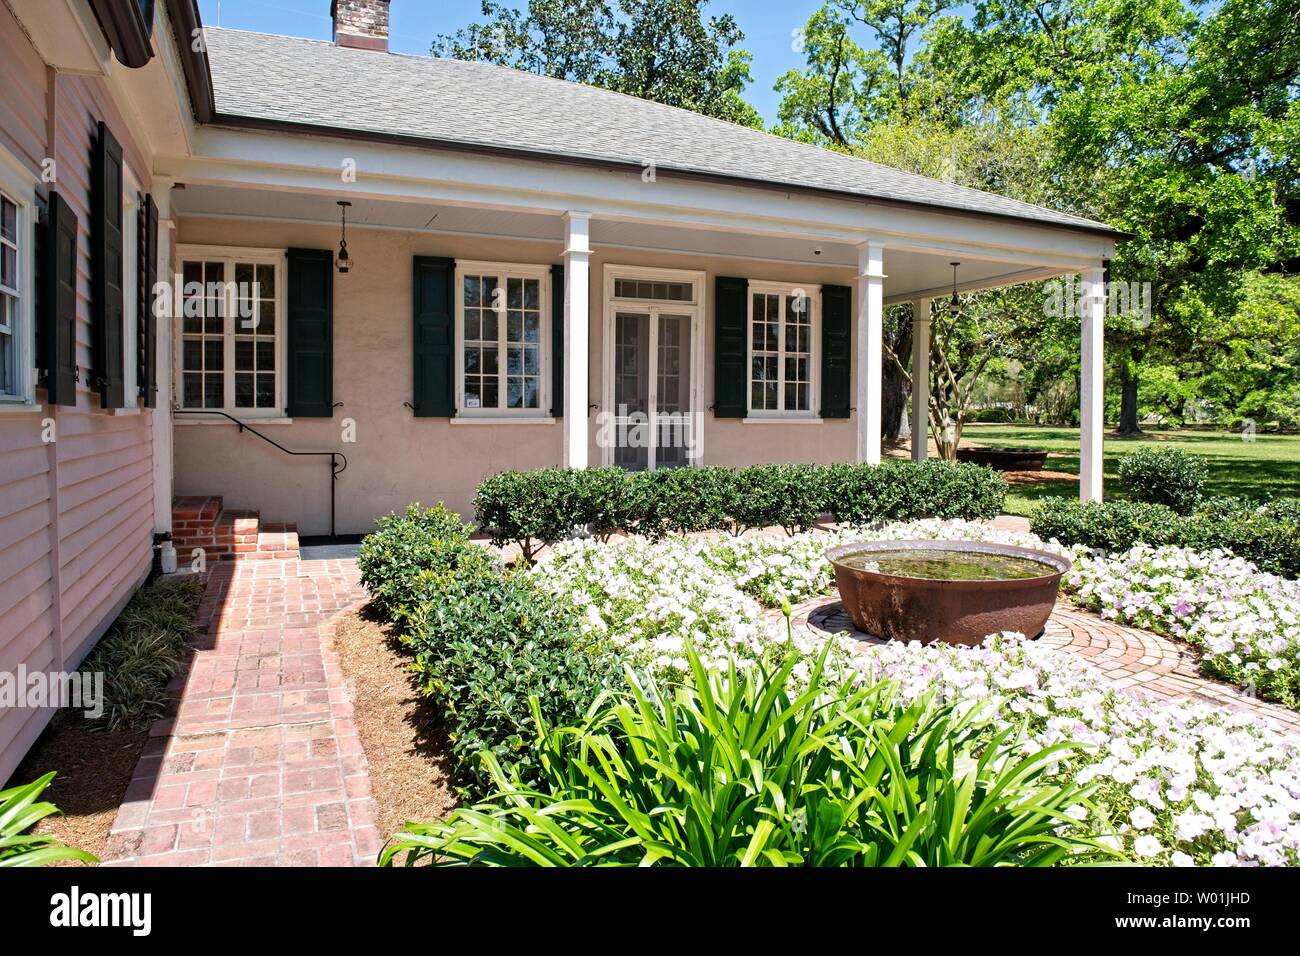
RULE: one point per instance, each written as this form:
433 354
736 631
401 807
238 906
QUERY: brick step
229 535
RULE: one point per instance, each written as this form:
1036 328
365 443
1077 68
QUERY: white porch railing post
577 335
920 380
870 354
1092 384
164 355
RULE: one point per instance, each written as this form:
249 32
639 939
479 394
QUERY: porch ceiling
911 272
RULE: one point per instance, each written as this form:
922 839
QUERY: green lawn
1267 467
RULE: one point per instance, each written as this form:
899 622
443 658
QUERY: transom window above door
231 337
502 326
783 334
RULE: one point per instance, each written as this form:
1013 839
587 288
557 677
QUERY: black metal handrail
334 456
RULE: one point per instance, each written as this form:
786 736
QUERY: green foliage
681 500
1267 533
143 650
489 646
903 491
786 496
1106 526
1164 476
662 50
402 548
536 508
19 812
751 769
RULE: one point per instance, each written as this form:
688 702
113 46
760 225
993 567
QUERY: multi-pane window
502 316
651 290
781 350
230 335
11 293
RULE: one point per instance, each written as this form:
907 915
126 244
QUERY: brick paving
261 764
1131 659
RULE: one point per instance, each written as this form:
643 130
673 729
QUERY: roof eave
421 142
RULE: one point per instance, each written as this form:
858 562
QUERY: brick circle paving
1127 657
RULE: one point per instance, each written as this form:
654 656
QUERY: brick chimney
361 24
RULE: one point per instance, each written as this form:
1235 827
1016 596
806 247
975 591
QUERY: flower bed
1180 783
1244 620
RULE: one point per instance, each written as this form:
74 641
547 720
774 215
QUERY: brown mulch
1037 477
408 754
93 769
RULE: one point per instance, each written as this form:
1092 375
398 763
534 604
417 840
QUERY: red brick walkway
1127 657
261 764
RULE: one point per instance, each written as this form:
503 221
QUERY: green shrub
19 812
792 496
487 643
681 500
1106 526
604 501
905 491
751 770
144 648
1164 476
1265 533
402 547
531 508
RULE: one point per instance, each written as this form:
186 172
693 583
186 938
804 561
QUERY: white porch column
920 379
870 333
1091 383
161 424
577 335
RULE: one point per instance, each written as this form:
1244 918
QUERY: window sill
781 420
16 406
501 420
254 422
126 411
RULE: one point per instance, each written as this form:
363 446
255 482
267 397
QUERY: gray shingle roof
286 79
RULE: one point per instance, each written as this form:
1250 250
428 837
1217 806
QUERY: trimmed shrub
681 500
604 501
1107 526
904 491
490 646
1164 476
403 548
792 496
1266 534
531 508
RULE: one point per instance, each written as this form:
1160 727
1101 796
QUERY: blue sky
768 26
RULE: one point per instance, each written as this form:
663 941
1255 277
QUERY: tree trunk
1128 406
893 401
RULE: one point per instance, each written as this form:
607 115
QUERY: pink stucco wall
76 514
398 458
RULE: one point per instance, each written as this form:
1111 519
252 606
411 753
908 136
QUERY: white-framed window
784 333
17 277
231 343
503 334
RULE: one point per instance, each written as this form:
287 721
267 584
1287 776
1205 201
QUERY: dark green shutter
148 374
435 336
59 304
730 377
837 350
310 343
106 269
557 341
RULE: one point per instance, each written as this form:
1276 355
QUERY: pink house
534 273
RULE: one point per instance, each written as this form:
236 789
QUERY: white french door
652 353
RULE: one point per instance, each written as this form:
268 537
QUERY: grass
1267 467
